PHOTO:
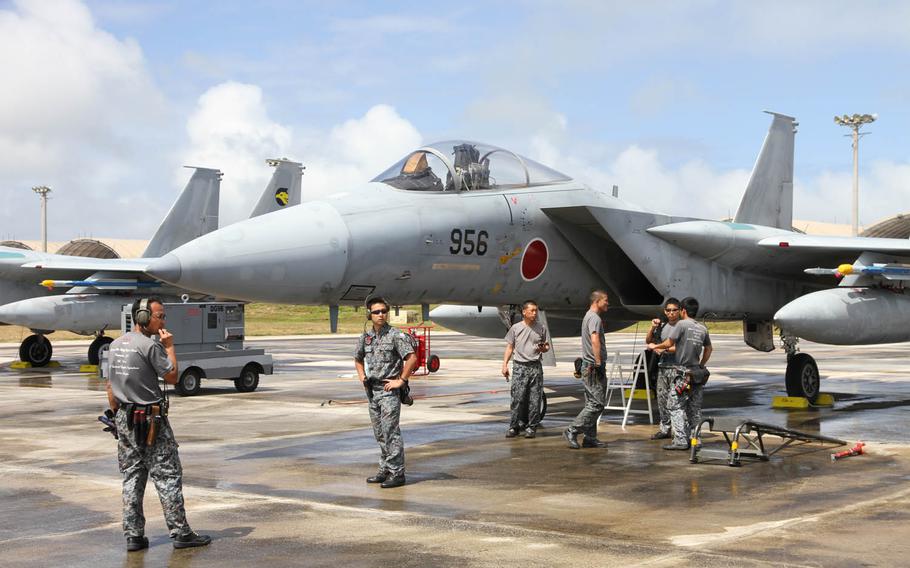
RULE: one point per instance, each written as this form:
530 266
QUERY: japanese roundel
534 260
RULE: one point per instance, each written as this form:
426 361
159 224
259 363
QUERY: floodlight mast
855 122
43 190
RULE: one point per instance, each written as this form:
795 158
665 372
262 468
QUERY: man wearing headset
146 445
384 359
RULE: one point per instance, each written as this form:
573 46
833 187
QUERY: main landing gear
802 371
97 347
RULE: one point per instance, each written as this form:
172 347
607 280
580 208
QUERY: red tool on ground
856 450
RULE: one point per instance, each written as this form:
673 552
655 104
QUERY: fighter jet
98 289
467 223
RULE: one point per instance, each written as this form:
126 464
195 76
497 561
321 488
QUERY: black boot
591 442
134 543
396 481
191 540
379 477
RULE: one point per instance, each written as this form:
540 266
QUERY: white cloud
230 129
357 150
78 111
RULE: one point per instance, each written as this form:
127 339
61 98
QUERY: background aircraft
98 288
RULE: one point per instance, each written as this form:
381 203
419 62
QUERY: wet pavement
277 476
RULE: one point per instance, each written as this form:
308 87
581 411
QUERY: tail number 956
469 241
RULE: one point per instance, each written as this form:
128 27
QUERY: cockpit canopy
459 165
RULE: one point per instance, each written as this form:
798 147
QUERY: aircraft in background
472 224
98 288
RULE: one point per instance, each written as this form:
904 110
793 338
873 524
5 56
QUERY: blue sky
106 100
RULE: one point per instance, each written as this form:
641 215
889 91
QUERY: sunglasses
377 312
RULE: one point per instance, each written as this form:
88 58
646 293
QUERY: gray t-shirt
690 338
592 324
525 340
666 359
136 362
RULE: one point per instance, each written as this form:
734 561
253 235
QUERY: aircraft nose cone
167 268
296 255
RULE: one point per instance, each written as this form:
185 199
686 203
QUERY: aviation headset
142 314
375 300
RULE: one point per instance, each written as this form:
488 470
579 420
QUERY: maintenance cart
208 340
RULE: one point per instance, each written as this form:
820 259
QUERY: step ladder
745 440
618 380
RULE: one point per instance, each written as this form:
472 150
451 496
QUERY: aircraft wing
847 246
64 263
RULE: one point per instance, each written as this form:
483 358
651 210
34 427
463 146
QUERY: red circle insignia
534 260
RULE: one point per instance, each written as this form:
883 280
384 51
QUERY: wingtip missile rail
101 284
887 271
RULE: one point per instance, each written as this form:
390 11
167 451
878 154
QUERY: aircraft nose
297 255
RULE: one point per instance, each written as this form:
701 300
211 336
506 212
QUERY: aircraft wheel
94 350
189 382
433 364
802 376
37 350
248 379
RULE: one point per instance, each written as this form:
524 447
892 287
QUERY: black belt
526 362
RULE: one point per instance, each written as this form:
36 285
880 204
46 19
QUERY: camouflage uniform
161 462
685 411
382 354
664 388
595 381
527 389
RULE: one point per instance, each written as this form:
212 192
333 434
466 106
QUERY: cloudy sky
105 101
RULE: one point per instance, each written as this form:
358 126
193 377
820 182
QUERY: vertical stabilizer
194 214
283 190
768 199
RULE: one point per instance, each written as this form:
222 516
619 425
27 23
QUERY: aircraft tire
433 364
94 350
37 350
248 379
802 376
189 383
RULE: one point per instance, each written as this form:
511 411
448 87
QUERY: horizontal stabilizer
768 200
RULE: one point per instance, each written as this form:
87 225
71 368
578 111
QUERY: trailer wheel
189 382
433 364
248 379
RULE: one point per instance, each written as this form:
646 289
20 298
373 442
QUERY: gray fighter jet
97 289
472 224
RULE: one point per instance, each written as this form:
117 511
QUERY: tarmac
276 476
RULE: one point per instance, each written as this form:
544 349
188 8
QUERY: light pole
855 122
43 190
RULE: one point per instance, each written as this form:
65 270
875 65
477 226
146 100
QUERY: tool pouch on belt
698 375
154 423
404 393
